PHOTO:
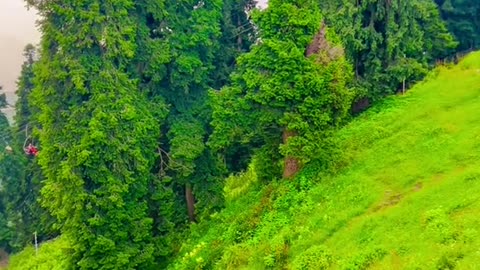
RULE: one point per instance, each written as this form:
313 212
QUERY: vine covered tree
289 92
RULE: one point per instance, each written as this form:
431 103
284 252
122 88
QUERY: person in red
31 150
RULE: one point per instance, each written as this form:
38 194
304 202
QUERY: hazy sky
262 3
17 29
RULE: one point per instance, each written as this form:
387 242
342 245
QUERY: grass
406 197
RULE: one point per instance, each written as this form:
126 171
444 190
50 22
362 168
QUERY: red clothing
32 150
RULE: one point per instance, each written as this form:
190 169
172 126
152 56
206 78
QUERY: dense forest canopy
145 113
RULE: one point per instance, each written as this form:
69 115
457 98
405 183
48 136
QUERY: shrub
316 257
237 185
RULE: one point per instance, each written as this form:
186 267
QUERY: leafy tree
285 97
237 37
20 177
97 132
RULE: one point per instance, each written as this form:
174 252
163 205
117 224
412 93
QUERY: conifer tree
23 113
97 133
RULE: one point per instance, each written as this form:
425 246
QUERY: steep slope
404 194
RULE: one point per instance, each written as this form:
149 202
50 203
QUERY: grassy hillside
406 194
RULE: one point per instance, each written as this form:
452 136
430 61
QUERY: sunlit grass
52 255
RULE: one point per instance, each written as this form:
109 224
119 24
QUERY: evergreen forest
224 134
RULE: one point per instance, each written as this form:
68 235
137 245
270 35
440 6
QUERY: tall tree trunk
292 164
190 202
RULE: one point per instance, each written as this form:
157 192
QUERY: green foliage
460 18
187 144
122 101
16 208
365 259
25 86
52 255
396 200
316 257
21 176
98 135
439 225
5 230
277 90
238 184
389 41
237 37
188 47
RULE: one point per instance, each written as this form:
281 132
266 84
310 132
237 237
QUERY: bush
52 255
365 259
316 257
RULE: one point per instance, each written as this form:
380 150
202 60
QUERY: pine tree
289 92
98 136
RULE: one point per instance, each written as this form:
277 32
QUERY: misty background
17 29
